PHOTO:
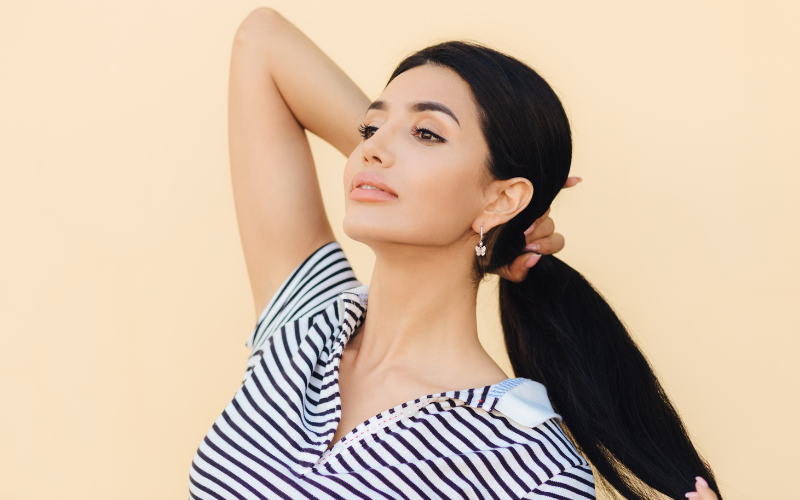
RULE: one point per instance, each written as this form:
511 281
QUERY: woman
451 168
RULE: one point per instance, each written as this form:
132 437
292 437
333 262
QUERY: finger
518 269
537 222
548 245
506 272
572 181
533 258
541 229
706 493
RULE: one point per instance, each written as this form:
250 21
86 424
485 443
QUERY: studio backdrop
124 300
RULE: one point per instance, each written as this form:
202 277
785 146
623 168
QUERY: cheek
440 197
444 198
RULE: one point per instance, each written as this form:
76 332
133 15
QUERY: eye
366 131
427 136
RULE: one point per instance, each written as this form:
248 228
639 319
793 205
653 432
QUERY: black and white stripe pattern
271 439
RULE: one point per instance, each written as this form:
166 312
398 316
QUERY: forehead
431 83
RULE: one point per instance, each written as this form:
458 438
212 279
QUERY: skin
421 333
280 84
703 492
420 336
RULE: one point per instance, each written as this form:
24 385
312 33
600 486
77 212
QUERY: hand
703 491
540 239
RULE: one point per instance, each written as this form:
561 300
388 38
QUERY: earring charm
480 249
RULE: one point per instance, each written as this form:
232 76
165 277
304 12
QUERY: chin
373 227
379 229
367 228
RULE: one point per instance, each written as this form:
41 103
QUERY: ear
505 200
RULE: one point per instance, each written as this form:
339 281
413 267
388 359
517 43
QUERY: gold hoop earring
480 250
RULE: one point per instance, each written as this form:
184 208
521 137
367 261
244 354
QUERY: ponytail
561 332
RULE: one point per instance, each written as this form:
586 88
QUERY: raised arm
280 84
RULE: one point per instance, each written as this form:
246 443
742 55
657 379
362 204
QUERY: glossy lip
372 179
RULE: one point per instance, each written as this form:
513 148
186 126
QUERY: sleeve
308 290
575 483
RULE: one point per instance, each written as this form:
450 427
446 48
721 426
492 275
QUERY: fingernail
533 247
701 481
693 494
530 229
532 260
580 179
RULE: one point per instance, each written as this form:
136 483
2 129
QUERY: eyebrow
419 107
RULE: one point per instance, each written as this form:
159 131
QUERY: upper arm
278 201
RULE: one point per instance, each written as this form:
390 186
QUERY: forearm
319 94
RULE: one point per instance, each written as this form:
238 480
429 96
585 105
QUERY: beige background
124 302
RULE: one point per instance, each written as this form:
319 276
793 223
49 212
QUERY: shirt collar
351 307
523 400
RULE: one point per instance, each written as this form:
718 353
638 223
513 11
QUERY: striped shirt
496 442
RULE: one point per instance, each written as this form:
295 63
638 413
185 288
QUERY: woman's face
419 176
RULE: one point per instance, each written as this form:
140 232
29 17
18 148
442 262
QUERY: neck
421 314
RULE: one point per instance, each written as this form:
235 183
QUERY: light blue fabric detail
527 404
498 390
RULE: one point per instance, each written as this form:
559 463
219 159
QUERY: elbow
259 25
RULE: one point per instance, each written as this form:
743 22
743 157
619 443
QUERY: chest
364 396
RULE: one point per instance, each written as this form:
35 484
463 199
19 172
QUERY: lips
370 179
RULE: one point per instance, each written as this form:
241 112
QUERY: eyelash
436 138
366 131
363 129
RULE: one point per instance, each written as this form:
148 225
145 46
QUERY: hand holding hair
704 492
540 239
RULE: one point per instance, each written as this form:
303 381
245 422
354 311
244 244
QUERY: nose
377 151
